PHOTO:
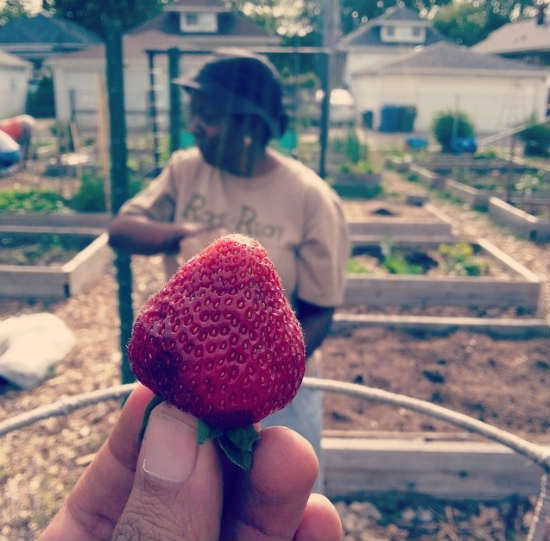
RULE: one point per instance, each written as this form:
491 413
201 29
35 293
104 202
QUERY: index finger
95 503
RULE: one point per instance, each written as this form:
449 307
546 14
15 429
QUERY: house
494 92
37 37
527 40
197 25
385 39
14 78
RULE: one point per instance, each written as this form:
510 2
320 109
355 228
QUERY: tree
470 22
92 15
12 9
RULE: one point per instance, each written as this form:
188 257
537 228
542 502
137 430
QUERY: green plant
536 138
31 200
532 182
460 259
447 125
397 263
356 267
350 147
357 191
90 196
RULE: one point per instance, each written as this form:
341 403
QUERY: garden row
395 261
514 196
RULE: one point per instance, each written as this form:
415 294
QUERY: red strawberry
220 340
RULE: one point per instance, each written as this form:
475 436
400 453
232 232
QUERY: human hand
173 489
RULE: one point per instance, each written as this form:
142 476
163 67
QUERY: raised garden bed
50 263
533 227
522 223
69 219
384 219
515 287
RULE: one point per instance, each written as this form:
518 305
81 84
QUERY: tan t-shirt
296 216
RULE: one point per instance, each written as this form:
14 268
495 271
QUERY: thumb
177 490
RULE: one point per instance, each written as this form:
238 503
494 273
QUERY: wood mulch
504 382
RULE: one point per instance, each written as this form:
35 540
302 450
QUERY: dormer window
402 33
195 21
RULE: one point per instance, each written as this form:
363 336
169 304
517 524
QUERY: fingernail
170 445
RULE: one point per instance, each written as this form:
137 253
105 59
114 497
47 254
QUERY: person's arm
315 321
140 235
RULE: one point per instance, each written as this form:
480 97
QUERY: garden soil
503 382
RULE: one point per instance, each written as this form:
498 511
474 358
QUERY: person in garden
232 182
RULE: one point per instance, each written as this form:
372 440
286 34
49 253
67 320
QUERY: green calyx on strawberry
221 342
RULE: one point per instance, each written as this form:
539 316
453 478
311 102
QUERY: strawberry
221 342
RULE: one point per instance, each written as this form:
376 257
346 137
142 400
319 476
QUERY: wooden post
325 113
119 180
103 137
175 106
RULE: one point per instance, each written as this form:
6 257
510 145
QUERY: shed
14 78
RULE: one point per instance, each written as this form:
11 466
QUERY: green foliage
460 259
449 124
91 194
31 200
468 23
11 9
536 138
357 191
350 147
397 263
356 267
41 101
92 14
90 197
529 183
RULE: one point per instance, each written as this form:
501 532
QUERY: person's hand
172 489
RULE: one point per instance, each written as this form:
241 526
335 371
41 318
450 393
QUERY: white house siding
493 102
13 89
82 77
357 59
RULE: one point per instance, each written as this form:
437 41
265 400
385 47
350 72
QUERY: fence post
325 112
175 105
119 180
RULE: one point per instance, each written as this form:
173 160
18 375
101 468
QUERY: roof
368 34
44 28
449 57
197 5
398 13
522 36
12 61
155 35
230 24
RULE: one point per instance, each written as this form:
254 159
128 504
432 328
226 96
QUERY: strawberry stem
236 443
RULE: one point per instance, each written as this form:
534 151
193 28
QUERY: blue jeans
305 415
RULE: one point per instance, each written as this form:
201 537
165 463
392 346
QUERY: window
390 30
416 31
191 19
198 22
